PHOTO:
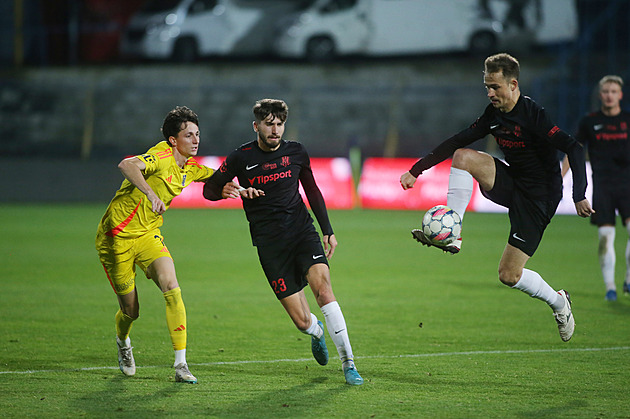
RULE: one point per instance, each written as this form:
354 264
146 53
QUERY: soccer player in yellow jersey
129 233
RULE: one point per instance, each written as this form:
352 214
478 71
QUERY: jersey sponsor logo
168 179
248 167
509 143
263 179
269 166
285 161
184 181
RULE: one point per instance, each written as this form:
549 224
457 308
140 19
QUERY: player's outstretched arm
407 180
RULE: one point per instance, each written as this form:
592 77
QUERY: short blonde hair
611 79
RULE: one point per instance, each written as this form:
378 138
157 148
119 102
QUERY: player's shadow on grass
151 392
570 407
288 391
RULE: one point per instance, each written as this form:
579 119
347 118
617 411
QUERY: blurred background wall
73 103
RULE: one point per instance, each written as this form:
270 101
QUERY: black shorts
528 217
285 264
607 198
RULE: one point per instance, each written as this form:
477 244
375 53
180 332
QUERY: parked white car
395 27
183 30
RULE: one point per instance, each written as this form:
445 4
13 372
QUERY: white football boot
564 318
125 357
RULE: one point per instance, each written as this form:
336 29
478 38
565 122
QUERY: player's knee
461 158
323 293
132 312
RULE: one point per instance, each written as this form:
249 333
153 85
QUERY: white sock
314 329
460 189
337 330
532 284
124 344
607 256
180 357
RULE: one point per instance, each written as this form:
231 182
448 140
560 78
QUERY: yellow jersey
129 214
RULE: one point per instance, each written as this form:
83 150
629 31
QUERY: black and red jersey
529 142
606 138
281 214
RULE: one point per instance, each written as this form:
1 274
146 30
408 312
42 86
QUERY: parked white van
184 30
395 27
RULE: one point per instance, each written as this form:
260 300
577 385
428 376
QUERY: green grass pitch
434 335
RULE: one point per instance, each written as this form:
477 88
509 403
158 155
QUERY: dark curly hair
275 107
176 119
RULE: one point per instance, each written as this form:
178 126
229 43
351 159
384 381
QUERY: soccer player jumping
529 185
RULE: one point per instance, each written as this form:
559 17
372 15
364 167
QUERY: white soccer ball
441 224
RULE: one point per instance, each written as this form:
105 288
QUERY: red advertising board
333 176
380 188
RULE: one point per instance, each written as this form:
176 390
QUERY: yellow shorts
119 257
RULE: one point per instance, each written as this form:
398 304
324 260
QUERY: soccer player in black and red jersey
605 133
529 185
269 171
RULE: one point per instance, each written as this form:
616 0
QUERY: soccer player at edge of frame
269 170
129 233
529 185
605 134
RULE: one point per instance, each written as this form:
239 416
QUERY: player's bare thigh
479 164
511 265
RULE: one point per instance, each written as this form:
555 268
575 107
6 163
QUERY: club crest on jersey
517 131
285 161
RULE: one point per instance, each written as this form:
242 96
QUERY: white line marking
272 361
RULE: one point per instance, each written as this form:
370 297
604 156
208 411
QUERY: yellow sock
123 325
176 318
